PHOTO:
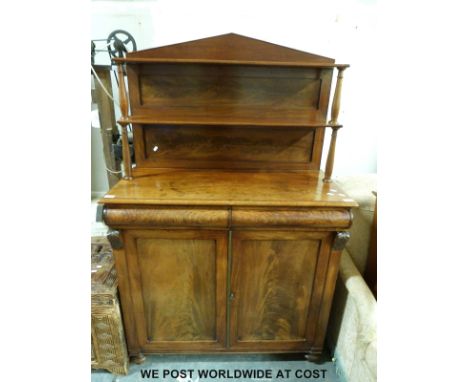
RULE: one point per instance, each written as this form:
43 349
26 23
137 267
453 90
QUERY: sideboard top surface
229 188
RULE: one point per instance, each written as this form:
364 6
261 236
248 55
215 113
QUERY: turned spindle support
123 122
335 111
331 155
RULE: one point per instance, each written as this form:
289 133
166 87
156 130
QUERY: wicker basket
108 348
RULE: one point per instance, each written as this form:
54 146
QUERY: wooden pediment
230 49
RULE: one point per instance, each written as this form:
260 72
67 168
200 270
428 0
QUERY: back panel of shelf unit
228 116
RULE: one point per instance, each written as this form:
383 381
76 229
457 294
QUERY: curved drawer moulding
210 217
311 218
167 217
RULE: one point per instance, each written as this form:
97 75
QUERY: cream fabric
353 325
352 331
360 187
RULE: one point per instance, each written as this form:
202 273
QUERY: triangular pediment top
228 48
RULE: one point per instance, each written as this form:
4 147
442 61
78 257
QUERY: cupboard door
178 282
277 284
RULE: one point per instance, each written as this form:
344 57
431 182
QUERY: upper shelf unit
228 80
237 103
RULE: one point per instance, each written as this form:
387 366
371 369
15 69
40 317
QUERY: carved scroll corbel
115 239
340 241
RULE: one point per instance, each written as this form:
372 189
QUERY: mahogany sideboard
226 234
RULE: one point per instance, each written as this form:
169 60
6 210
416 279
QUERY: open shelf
230 116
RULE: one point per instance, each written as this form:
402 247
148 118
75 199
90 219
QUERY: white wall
342 29
99 182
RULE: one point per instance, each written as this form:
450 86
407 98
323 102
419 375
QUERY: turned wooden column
123 122
335 111
331 155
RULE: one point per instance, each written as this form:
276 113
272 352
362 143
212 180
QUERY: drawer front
166 217
238 217
304 218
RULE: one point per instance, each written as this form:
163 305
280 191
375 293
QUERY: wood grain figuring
166 217
330 273
273 306
217 94
309 218
126 301
225 147
315 309
178 281
228 86
273 276
229 188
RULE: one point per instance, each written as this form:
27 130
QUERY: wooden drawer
311 218
304 218
166 217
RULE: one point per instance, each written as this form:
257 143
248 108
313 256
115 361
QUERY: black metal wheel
120 42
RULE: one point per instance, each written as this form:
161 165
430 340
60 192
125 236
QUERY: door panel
276 288
178 279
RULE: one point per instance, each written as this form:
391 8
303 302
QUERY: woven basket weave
108 348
